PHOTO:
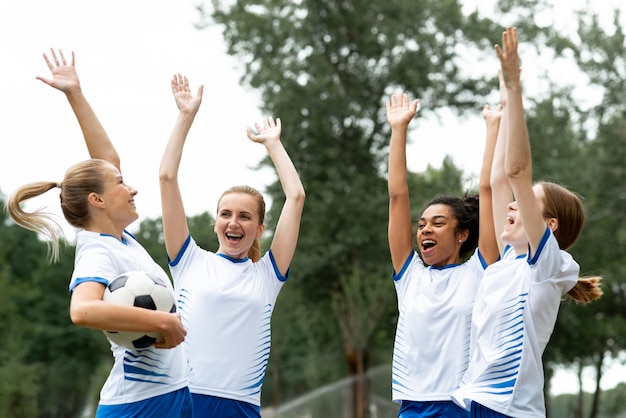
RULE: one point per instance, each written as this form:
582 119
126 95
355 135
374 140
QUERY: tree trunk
357 363
595 405
578 412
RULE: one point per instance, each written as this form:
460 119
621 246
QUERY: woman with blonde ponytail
95 199
38 221
227 297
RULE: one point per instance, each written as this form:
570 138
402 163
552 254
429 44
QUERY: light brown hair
80 180
567 208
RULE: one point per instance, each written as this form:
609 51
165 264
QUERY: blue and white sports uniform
226 305
431 349
514 315
144 376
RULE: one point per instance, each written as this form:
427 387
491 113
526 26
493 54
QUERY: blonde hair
254 253
80 180
587 289
38 221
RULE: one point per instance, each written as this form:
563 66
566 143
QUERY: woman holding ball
94 198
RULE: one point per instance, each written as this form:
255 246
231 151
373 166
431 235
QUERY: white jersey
226 305
431 348
136 374
514 315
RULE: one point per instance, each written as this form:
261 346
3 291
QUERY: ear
95 200
462 236
553 224
260 230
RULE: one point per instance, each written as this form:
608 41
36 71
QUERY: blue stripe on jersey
501 376
143 366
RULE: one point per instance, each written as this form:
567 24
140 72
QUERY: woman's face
237 224
513 232
118 198
437 240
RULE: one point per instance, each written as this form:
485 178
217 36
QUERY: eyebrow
434 217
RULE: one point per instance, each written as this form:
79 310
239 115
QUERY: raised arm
517 160
65 79
487 243
400 112
500 187
175 228
288 227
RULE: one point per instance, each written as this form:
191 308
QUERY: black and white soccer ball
144 290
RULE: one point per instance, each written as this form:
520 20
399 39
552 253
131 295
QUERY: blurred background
325 68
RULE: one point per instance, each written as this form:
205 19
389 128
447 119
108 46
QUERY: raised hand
509 57
185 101
492 116
64 76
268 132
400 111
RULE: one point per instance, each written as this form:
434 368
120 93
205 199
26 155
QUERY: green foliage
42 347
564 406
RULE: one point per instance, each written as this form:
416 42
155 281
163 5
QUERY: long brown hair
254 253
80 180
567 208
587 289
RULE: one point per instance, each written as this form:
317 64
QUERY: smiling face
513 233
438 241
237 224
118 198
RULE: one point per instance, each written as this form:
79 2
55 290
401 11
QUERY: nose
512 206
133 192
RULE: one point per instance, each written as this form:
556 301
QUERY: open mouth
428 244
234 237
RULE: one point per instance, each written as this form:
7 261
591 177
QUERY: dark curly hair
465 209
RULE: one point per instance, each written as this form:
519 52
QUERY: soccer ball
138 288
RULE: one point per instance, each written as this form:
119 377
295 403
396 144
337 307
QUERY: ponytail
38 221
587 289
254 253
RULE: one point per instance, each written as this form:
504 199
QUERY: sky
126 53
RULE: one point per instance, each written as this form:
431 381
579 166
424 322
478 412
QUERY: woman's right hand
173 332
64 76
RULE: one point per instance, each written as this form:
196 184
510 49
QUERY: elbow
484 186
166 177
79 316
517 170
299 196
396 194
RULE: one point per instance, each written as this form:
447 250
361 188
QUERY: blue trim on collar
542 243
123 241
234 260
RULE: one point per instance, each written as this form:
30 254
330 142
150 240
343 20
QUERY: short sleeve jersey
514 316
431 349
226 305
136 374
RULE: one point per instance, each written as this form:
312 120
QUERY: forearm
98 142
172 155
517 158
287 173
107 316
397 181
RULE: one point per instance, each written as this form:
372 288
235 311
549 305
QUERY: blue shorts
479 411
177 404
431 409
207 406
